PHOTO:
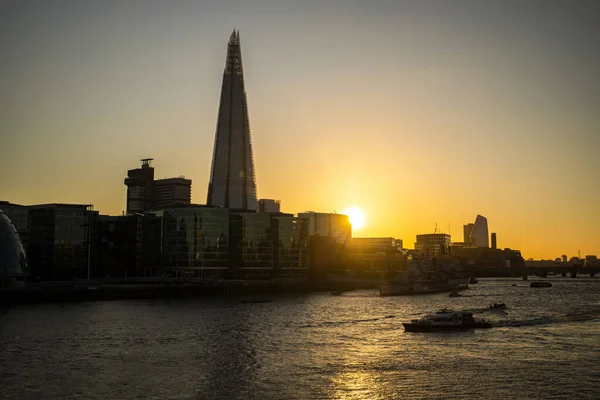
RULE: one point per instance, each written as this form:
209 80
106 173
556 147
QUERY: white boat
446 320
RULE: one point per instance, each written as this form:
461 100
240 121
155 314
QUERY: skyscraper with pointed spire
232 181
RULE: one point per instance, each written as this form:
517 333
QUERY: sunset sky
416 112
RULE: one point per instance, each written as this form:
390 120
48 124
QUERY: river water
316 346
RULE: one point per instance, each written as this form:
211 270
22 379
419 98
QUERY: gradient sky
418 112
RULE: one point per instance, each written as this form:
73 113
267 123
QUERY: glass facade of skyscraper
194 240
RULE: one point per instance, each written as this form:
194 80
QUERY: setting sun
356 216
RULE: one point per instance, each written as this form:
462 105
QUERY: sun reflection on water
357 385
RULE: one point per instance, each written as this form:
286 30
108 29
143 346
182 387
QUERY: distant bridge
571 270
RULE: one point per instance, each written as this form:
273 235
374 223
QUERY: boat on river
446 320
256 301
538 284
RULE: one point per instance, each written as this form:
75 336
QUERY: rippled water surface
316 346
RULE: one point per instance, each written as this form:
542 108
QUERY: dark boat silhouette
538 284
446 320
250 301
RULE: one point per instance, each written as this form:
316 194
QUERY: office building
494 244
433 244
140 188
291 258
269 205
479 233
60 241
467 229
252 245
232 181
374 245
187 240
336 226
119 246
213 242
171 191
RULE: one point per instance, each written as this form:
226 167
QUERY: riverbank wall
65 292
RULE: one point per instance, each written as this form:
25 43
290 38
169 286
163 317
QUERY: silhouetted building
479 233
140 188
191 240
269 205
481 261
373 257
494 244
119 246
564 258
467 229
207 242
60 241
336 226
171 191
17 214
374 245
291 256
232 181
326 256
433 244
13 262
591 259
252 240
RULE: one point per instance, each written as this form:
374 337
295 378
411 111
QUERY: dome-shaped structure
12 256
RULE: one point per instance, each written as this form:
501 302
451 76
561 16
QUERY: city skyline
486 110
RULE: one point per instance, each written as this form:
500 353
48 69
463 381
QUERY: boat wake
551 319
351 321
481 310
